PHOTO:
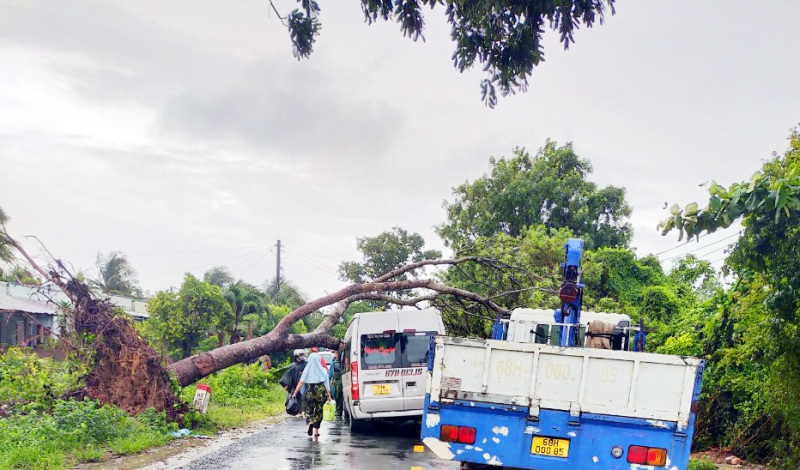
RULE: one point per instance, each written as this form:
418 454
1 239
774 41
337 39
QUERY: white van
529 325
385 362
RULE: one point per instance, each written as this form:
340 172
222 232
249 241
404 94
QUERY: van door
415 347
379 375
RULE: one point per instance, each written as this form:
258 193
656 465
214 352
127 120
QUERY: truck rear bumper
358 414
504 437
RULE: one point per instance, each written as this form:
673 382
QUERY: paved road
286 446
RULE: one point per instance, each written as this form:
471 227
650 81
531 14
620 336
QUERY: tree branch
427 262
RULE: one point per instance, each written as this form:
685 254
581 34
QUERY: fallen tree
127 372
123 369
192 369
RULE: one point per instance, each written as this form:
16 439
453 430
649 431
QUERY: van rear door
380 381
415 347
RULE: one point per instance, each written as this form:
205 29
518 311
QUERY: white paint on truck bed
655 387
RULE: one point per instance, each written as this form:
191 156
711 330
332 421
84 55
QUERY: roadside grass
47 433
701 464
240 411
138 442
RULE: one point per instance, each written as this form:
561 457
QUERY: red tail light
637 454
354 377
460 434
466 435
647 456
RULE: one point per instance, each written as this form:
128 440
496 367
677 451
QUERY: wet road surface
286 446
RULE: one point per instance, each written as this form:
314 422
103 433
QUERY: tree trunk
192 369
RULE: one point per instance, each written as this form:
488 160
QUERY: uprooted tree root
125 371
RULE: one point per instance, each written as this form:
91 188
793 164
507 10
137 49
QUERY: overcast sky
186 135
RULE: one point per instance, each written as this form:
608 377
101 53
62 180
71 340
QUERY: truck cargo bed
654 387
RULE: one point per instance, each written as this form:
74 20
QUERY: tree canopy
385 252
751 334
549 189
181 320
503 36
219 276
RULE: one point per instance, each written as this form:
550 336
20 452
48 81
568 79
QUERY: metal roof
24 305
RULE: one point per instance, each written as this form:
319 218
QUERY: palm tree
115 275
288 294
219 276
244 299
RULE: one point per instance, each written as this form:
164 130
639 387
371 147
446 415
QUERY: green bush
26 377
34 439
701 464
241 381
156 421
89 423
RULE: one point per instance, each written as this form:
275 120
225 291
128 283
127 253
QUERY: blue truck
559 392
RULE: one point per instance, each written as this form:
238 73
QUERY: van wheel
354 424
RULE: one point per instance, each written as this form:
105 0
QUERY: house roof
23 305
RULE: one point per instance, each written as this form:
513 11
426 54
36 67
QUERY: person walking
292 375
317 389
335 376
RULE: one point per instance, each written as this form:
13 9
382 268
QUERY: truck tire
477 466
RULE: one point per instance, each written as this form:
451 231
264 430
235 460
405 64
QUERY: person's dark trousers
337 395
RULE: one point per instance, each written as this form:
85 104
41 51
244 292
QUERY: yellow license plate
550 446
380 390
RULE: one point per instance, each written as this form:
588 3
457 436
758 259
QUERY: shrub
26 377
87 422
241 381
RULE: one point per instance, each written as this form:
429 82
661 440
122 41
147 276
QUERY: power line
257 260
255 255
177 252
698 248
314 266
198 266
310 258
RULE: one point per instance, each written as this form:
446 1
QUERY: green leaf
719 191
675 209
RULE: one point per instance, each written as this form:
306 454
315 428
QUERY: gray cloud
298 112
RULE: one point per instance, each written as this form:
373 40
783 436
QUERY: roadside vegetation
741 316
42 428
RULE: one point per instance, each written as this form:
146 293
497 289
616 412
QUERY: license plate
380 390
550 446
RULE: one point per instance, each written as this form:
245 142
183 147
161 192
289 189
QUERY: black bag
292 406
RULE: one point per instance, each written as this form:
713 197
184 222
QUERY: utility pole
278 272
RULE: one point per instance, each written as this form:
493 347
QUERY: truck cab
529 325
